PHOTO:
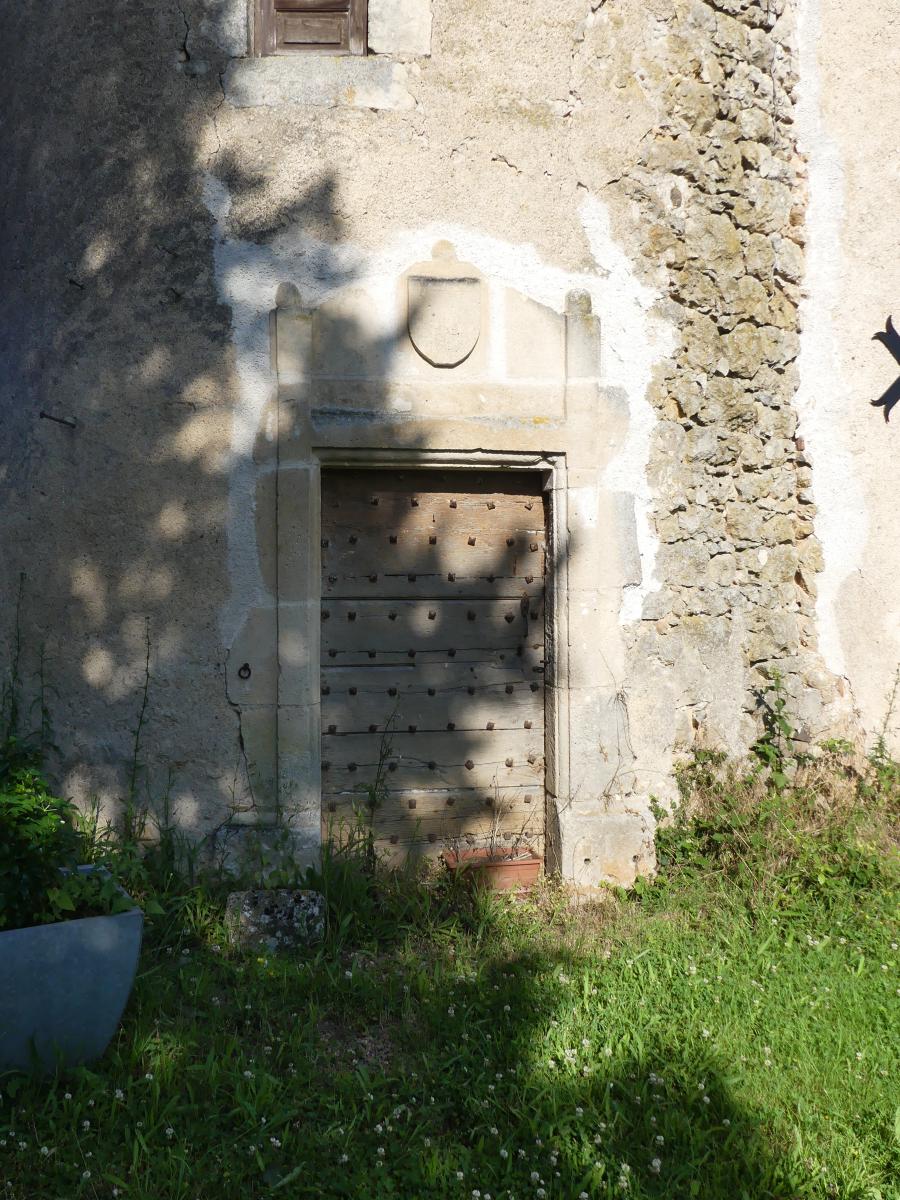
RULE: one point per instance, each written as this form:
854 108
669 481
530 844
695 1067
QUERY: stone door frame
568 426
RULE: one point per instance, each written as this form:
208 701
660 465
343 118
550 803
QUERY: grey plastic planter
63 988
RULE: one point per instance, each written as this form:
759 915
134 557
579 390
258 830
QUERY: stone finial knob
288 296
578 303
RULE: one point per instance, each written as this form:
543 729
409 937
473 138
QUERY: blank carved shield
444 314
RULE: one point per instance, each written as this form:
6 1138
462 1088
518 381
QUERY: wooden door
433 657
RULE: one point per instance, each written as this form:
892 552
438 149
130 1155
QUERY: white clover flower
706 1099
67 1096
45 1150
535 1177
275 1142
726 1122
344 1158
451 1011
85 1174
149 1076
506 1007
579 1112
504 1153
85 1125
119 1094
248 1074
460 1175
705 1033
655 1165
494 1131
380 1151
659 1139
170 1132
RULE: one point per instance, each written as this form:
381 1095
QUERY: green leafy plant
41 847
773 748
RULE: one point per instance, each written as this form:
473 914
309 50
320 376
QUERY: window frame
265 40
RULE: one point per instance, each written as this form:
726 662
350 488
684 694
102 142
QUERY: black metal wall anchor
69 422
890 339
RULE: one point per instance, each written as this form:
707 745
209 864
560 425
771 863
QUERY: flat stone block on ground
275 919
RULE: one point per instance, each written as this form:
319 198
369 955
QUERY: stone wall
721 189
161 185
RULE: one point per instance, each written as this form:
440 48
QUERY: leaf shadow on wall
118 502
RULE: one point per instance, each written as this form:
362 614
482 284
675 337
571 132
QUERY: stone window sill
322 81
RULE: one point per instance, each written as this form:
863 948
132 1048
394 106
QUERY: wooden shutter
317 26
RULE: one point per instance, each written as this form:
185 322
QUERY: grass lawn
730 1031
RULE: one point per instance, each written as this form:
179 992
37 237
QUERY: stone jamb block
400 27
299 553
251 664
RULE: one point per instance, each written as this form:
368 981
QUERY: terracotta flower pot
498 871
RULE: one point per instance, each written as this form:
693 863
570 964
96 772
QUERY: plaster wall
162 187
851 100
